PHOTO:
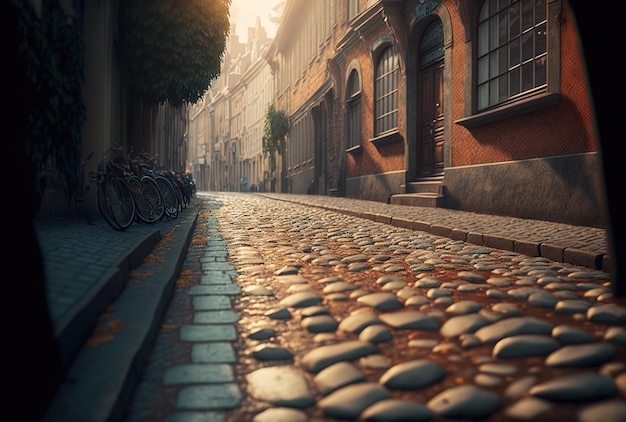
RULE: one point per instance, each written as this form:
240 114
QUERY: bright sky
243 14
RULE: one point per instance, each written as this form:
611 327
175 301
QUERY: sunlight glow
243 15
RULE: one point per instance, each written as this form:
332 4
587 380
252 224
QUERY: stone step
421 199
432 186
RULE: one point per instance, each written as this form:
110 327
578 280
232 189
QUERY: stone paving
304 314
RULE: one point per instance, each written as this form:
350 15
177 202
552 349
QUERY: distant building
228 124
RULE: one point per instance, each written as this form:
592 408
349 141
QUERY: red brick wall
372 159
560 130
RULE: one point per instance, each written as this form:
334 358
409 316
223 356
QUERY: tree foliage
275 128
174 48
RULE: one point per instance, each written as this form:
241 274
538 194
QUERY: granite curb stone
100 380
506 230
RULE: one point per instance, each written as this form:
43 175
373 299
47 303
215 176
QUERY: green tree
275 128
174 48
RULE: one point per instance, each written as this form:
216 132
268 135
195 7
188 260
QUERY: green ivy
174 48
51 49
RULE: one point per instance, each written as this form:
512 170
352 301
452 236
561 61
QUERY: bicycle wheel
137 190
169 197
116 203
155 198
142 202
103 202
148 199
179 194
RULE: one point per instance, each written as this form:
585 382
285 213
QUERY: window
512 50
353 106
353 9
386 92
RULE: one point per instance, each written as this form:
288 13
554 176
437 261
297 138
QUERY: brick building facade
474 105
488 109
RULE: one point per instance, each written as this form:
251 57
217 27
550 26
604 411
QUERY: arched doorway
430 91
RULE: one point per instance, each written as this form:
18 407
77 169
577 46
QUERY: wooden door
430 92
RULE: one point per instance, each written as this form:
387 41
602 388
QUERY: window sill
387 138
357 149
528 105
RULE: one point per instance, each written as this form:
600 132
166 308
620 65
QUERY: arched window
386 92
512 50
353 107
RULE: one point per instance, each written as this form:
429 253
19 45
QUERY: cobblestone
324 332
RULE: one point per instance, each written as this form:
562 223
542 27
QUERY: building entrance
430 91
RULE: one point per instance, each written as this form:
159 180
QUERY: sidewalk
88 268
585 246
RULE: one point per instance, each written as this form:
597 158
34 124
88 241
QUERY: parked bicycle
133 188
114 197
145 165
171 176
150 207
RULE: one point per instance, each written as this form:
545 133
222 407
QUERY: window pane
493 33
484 12
483 96
540 39
385 105
493 65
503 88
527 76
514 58
527 46
357 125
540 71
483 69
483 39
514 22
503 58
493 91
493 6
527 14
503 33
514 84
350 86
540 11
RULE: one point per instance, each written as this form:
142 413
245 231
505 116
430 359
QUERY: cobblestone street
288 312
